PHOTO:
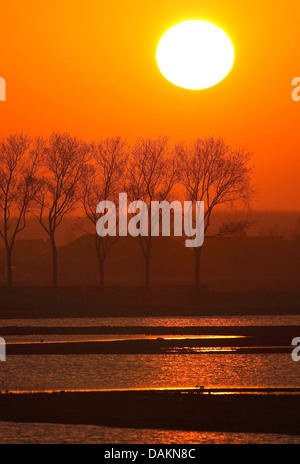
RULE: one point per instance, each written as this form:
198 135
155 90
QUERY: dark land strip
258 339
163 301
158 346
284 332
184 410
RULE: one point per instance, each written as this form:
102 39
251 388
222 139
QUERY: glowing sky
89 67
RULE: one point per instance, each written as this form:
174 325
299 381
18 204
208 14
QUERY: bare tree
231 228
102 183
63 168
151 175
213 172
18 186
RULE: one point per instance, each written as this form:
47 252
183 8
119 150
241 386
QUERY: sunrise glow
195 55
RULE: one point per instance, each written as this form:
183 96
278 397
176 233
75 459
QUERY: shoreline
164 340
157 340
168 301
157 347
167 409
277 331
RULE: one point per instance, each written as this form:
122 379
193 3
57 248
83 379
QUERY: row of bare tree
51 178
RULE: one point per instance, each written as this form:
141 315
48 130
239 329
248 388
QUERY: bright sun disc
195 54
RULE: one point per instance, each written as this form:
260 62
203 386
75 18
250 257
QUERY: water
123 371
85 372
276 320
108 337
82 434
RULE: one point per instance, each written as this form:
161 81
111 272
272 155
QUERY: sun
195 54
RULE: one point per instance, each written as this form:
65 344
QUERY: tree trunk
146 247
54 263
101 274
147 256
101 270
147 271
9 266
101 258
197 252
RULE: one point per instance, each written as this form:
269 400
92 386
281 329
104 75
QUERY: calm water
70 434
59 372
156 321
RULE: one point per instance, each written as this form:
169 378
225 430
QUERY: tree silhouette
102 183
213 172
63 168
18 186
151 175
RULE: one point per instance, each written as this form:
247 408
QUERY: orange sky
88 67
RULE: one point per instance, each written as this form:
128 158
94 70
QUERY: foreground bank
230 410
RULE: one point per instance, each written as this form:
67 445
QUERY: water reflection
63 433
272 320
36 339
72 372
